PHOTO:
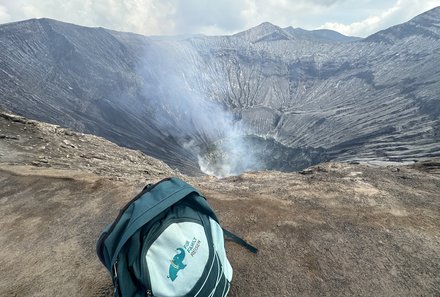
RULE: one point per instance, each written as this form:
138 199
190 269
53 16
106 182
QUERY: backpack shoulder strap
239 240
200 204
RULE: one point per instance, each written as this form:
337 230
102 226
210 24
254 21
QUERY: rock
12 137
13 118
68 143
69 133
99 156
431 166
307 171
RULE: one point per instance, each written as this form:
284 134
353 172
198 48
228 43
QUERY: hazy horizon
173 17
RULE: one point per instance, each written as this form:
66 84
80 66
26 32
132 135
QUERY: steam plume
176 79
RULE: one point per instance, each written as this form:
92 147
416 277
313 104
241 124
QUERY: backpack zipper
146 189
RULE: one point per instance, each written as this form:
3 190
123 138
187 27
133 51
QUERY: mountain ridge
267 31
361 100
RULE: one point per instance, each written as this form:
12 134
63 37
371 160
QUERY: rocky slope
331 230
41 145
173 97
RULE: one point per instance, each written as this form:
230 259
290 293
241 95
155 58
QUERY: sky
220 17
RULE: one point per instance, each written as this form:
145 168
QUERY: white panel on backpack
177 259
219 247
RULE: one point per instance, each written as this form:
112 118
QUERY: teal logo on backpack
176 264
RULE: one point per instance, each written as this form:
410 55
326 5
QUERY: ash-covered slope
25 142
84 79
370 99
373 98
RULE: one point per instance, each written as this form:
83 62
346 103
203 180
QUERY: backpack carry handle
139 221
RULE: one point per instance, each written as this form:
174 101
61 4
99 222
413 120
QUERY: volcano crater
235 155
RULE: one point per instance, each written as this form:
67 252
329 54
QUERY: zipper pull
149 293
115 270
115 279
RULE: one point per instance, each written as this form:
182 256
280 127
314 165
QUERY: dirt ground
331 230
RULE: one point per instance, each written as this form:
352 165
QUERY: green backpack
167 241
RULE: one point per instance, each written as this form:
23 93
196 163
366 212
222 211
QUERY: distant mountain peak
323 35
263 32
269 32
267 26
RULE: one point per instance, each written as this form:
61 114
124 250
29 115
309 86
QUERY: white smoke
229 157
176 80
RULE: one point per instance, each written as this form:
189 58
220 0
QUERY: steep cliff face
374 98
174 97
80 78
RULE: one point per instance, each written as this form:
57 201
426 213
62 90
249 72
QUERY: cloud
4 16
140 16
400 12
200 15
158 17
